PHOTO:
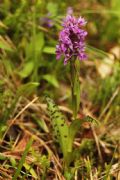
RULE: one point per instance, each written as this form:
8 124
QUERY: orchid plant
72 47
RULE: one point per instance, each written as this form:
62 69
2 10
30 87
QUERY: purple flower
71 39
69 10
46 21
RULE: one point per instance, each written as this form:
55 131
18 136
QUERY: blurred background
28 68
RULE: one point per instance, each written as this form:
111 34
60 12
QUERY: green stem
75 87
34 76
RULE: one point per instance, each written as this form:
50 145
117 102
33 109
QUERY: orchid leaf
59 125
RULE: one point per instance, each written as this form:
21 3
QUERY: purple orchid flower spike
72 39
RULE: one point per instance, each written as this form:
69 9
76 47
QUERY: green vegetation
40 136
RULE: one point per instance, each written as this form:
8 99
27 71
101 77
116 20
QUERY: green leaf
51 79
5 45
22 161
49 50
116 5
35 46
13 161
91 120
2 157
52 8
39 42
31 170
41 123
73 129
75 126
27 89
97 51
27 69
59 125
8 66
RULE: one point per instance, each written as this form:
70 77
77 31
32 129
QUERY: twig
97 144
12 122
29 104
110 102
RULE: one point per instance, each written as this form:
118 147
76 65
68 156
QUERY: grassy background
28 70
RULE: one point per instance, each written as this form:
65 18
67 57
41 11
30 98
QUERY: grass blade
21 162
97 51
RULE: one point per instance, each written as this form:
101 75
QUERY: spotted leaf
59 125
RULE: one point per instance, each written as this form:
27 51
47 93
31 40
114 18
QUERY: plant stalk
75 87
